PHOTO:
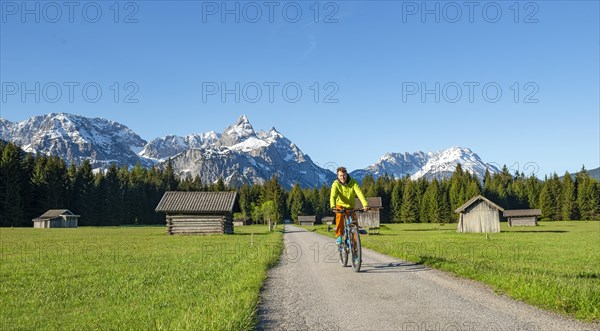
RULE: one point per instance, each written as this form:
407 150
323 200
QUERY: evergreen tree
296 203
568 198
245 199
368 184
273 191
12 180
533 187
396 203
446 213
588 198
550 198
114 199
458 192
410 203
169 181
196 184
430 209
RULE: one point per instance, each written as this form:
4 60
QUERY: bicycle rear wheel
356 249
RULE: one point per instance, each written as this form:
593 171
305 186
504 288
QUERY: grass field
132 278
555 265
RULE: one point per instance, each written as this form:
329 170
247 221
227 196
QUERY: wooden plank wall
199 224
481 217
522 221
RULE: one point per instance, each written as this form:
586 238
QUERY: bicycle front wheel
343 255
356 249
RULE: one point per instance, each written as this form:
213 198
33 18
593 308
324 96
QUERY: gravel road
310 290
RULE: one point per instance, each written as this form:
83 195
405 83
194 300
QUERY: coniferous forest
30 185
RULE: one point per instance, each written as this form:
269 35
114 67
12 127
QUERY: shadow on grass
433 261
253 233
429 230
534 231
588 275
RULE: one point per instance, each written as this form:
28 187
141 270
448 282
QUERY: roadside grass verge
555 266
132 278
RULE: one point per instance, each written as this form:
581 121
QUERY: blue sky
365 63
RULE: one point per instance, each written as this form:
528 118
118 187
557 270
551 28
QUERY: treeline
30 185
434 201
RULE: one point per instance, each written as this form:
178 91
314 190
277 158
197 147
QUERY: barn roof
522 212
197 202
374 202
55 213
475 199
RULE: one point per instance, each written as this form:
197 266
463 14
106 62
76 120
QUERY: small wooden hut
522 217
328 220
479 215
56 218
199 212
371 219
307 220
241 221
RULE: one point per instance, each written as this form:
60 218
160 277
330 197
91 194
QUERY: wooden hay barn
479 215
328 220
307 220
199 212
522 217
371 219
56 218
241 221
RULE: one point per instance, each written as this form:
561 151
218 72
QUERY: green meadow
555 266
132 278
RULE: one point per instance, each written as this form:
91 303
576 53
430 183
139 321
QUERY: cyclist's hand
366 209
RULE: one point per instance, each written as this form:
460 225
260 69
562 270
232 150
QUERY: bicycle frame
351 241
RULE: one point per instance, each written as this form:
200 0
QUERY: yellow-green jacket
343 195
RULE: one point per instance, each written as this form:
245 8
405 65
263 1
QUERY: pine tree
114 198
410 203
446 214
430 209
533 187
550 198
296 202
368 184
273 191
85 192
196 184
396 203
588 197
568 198
169 181
458 191
245 199
12 180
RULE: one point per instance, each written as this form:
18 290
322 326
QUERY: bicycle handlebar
335 210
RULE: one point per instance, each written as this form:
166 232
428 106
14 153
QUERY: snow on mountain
430 165
238 154
241 155
76 138
160 149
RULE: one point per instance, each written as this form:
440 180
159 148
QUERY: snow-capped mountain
160 149
241 155
430 165
238 154
76 138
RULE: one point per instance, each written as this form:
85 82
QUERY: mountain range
238 155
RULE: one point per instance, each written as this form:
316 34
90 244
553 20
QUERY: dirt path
309 289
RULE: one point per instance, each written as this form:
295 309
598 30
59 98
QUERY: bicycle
350 240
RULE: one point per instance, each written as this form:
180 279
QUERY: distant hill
594 173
